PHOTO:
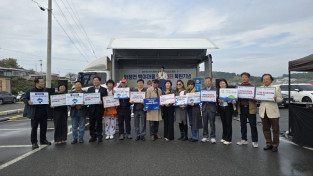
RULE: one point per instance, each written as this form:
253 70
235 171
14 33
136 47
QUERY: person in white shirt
162 74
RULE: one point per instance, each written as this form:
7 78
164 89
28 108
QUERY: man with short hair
208 114
96 111
247 110
154 116
37 113
139 114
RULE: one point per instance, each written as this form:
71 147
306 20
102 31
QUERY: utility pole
48 72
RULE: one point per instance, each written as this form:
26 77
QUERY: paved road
6 107
129 157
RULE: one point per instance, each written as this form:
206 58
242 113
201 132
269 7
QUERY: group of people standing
186 116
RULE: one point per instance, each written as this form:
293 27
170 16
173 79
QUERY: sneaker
242 142
137 138
255 144
45 142
107 137
222 140
81 141
121 137
213 141
226 142
74 141
204 139
111 137
129 136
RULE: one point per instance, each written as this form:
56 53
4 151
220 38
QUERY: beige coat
153 115
271 108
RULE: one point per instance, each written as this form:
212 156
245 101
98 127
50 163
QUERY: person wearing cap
124 114
96 111
162 74
154 116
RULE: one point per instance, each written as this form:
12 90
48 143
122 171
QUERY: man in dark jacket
124 114
208 114
140 114
37 113
96 111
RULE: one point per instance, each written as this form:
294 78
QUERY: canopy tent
303 64
301 119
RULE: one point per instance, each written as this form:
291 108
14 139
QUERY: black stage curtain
301 120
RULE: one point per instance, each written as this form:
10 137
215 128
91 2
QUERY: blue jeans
194 133
208 115
140 120
78 120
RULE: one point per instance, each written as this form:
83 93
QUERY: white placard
137 97
167 99
58 100
208 95
110 101
92 98
121 93
39 98
265 93
181 100
228 94
246 92
74 98
194 98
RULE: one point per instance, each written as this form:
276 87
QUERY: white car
299 92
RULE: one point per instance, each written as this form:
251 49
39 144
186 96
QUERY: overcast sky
255 36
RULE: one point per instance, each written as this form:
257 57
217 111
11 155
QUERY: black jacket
98 107
30 110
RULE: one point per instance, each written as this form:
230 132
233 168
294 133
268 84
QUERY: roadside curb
15 117
15 111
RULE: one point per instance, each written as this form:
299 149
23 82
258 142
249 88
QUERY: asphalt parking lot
130 157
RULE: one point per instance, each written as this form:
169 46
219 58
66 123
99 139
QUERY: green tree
9 62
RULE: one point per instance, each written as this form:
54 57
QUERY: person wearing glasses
194 114
181 111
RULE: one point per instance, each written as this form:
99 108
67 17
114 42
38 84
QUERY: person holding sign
247 109
194 114
78 114
168 113
37 113
96 111
226 110
269 114
181 111
154 116
208 114
60 119
110 114
139 114
124 115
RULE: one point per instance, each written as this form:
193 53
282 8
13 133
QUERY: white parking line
290 142
14 146
27 154
17 129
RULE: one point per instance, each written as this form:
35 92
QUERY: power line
69 36
81 44
81 26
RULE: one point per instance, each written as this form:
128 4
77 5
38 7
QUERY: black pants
40 118
226 117
60 125
95 123
252 121
168 117
123 115
154 128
